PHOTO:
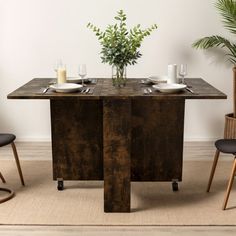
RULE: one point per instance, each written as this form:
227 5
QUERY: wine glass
82 72
57 65
183 72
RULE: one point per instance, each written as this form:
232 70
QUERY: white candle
172 73
61 75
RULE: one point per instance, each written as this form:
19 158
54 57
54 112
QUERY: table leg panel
157 140
117 141
77 139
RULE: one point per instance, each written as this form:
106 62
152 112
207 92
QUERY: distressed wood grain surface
104 88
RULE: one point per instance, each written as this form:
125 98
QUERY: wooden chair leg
230 184
9 196
217 154
17 163
2 178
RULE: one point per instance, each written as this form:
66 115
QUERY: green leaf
227 9
216 41
120 45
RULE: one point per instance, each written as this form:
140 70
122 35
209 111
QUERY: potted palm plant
120 46
227 9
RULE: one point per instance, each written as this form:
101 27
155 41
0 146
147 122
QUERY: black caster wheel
175 187
60 185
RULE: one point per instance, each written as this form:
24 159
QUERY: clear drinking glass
82 72
183 71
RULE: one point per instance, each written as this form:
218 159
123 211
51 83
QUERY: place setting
64 84
168 84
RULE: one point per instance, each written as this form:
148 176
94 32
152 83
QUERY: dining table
117 135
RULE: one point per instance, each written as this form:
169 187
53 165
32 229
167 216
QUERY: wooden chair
225 146
6 139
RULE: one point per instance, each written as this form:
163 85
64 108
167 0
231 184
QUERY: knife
190 90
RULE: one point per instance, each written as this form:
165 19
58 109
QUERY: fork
91 90
147 91
87 90
84 90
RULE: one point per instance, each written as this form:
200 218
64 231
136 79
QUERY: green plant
120 45
227 9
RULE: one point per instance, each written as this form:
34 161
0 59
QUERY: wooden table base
118 141
116 155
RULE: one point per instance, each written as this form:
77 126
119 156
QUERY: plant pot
118 76
230 126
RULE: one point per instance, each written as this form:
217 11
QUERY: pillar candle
172 73
61 75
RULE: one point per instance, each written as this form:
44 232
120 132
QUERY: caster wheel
60 185
175 187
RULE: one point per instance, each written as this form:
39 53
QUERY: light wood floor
115 231
42 151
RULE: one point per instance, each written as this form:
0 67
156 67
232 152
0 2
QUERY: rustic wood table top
104 88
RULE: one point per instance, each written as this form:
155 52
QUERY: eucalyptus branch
120 46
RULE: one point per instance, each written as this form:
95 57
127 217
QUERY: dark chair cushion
6 139
226 146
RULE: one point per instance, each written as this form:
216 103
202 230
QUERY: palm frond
211 42
232 60
217 41
227 10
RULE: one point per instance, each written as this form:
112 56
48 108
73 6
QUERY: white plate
66 87
158 79
169 88
76 80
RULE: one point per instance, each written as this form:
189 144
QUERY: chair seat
6 139
226 146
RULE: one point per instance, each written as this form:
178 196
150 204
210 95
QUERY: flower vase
118 76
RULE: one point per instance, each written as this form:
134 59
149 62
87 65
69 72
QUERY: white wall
35 33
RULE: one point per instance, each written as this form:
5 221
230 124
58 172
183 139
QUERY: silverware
147 91
46 89
190 90
91 91
85 90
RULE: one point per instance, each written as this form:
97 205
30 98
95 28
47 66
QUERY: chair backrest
230 127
